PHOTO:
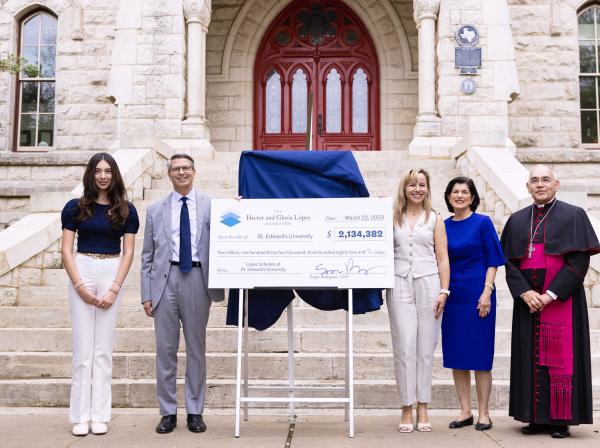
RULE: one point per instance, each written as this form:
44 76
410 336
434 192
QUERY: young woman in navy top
100 218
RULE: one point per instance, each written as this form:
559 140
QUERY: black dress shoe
167 424
461 423
195 423
483 426
560 432
537 428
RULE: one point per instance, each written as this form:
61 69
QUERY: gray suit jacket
156 254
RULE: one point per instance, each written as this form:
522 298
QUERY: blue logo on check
230 218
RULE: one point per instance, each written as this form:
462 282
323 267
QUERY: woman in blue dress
468 324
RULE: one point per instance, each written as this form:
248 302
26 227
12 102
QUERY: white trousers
415 332
93 342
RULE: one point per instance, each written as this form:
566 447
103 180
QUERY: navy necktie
185 238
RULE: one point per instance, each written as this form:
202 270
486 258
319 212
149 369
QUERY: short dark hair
462 180
180 155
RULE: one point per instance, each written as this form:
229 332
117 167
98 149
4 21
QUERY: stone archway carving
426 8
356 5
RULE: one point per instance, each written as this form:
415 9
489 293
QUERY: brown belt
99 256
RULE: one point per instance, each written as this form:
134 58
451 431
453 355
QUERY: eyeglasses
544 180
184 169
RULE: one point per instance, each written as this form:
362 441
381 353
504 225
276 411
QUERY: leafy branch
15 64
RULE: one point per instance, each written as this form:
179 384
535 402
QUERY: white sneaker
99 428
80 429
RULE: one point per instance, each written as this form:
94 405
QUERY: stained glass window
333 98
299 101
360 102
273 103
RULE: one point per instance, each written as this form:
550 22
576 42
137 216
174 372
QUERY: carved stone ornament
197 11
426 8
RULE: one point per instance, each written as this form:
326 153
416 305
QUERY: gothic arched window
37 44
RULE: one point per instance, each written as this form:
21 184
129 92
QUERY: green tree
15 64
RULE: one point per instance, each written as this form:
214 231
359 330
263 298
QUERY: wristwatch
445 291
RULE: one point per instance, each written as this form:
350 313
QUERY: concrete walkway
39 428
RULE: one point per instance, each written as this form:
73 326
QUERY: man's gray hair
541 165
180 155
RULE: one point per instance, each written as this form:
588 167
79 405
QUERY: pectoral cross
530 250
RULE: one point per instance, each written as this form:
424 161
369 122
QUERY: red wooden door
322 50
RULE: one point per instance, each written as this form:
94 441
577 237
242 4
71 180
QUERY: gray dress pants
184 303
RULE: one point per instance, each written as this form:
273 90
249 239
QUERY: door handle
319 124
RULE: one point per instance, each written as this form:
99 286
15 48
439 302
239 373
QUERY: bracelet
112 290
445 291
78 284
489 285
115 281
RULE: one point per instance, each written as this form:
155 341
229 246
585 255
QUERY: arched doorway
319 52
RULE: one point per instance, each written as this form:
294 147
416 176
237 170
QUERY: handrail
39 229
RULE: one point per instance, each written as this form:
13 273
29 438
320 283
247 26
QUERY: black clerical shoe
195 423
461 423
560 432
483 426
537 428
167 424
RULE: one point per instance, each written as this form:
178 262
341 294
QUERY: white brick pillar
425 15
197 17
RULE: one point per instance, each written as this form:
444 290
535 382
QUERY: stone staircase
22 174
35 340
578 171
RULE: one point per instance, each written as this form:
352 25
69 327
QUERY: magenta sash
556 336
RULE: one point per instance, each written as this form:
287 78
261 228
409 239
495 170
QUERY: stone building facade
123 72
146 78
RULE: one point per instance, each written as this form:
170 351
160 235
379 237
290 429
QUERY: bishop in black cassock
548 247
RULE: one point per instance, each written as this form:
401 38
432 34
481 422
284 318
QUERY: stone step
373 394
305 316
572 170
321 366
308 340
48 296
25 187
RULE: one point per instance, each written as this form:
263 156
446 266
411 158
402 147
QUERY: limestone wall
148 71
85 118
546 113
234 36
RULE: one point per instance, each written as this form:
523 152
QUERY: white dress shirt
176 204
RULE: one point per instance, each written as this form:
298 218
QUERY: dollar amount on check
334 243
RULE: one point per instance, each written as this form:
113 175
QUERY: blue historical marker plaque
467 59
467 36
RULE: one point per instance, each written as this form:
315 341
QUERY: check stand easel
242 392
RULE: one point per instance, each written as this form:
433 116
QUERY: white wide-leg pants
93 332
415 332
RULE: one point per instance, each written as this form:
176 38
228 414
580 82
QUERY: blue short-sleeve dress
467 339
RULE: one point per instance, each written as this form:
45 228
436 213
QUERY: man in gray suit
175 289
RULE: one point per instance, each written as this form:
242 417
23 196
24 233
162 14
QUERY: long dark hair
117 194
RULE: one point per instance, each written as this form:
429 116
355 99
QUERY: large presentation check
339 243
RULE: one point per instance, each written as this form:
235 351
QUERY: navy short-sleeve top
95 234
